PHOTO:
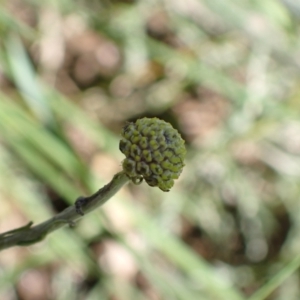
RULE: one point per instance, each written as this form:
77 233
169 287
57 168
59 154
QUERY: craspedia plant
154 152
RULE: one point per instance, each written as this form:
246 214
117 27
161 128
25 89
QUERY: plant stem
27 235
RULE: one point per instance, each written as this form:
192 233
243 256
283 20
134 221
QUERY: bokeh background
226 74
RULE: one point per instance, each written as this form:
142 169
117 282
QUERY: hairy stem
27 235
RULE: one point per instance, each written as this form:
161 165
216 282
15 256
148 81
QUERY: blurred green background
226 74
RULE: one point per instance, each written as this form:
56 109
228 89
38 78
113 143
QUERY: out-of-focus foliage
226 74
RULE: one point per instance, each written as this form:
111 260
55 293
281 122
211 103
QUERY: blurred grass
226 74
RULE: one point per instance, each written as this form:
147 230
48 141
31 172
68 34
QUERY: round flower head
154 151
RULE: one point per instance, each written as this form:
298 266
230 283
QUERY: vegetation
225 74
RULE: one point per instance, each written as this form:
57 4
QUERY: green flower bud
154 151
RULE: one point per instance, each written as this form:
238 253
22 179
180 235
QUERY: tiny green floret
154 151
